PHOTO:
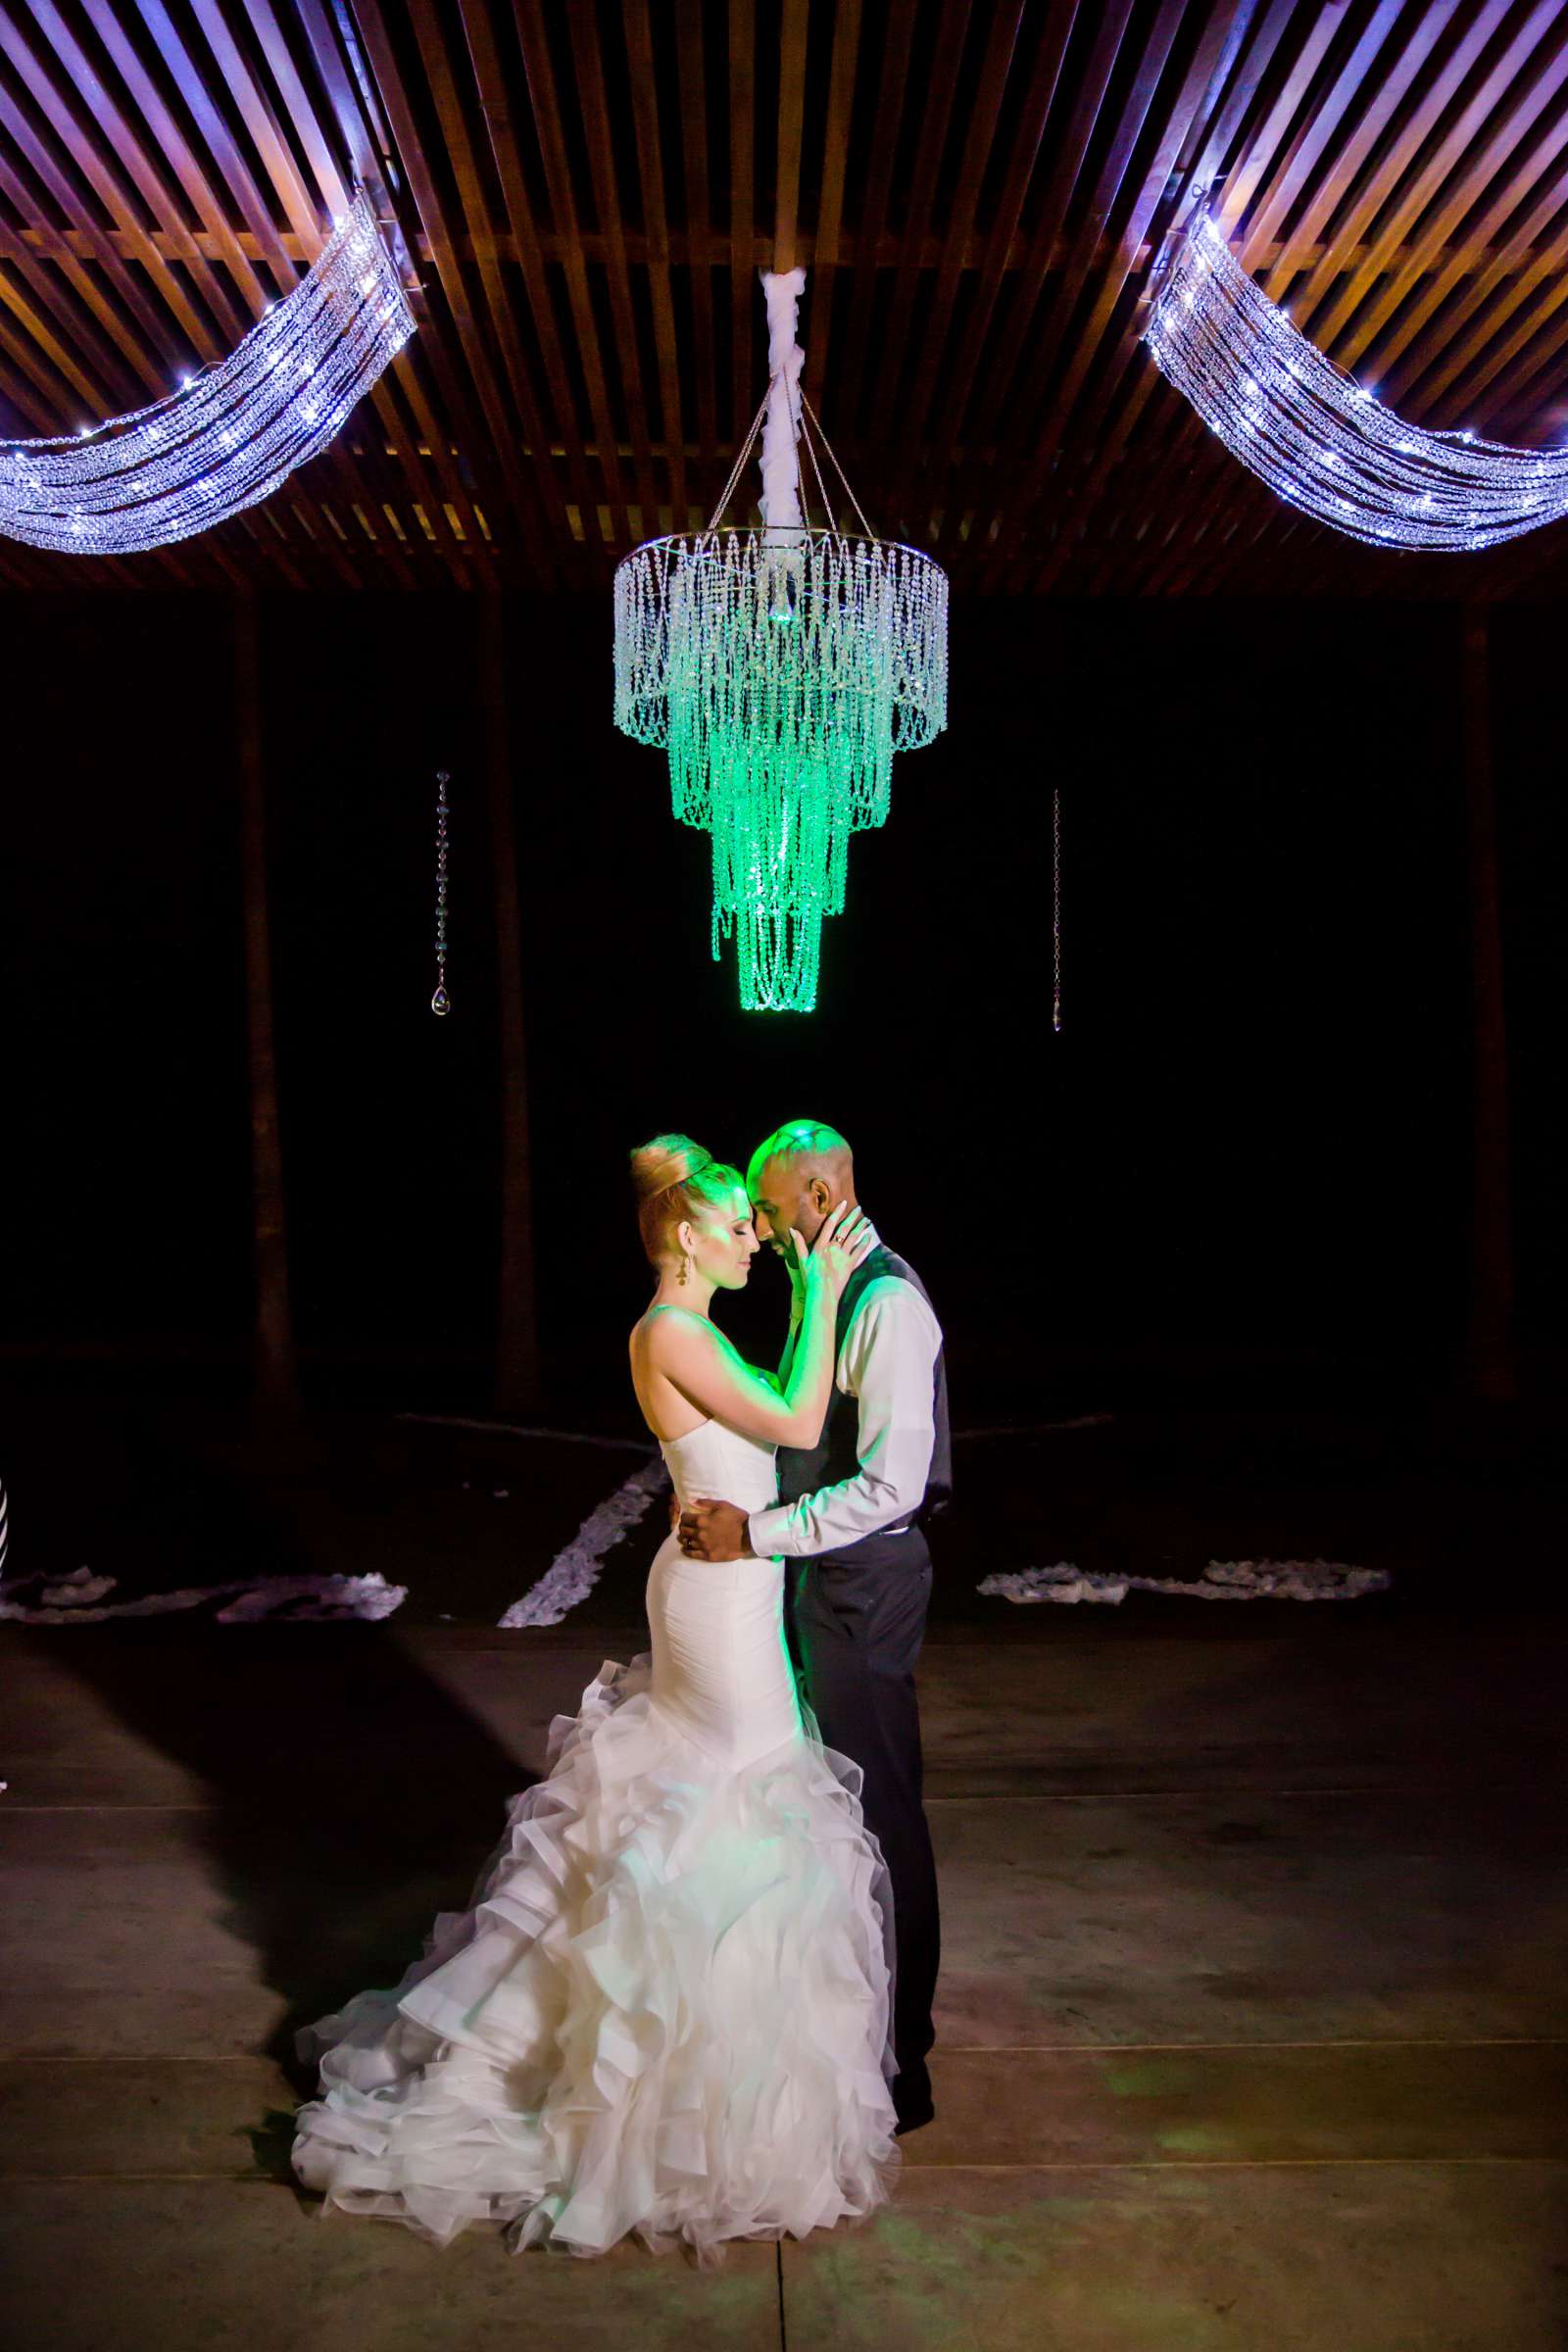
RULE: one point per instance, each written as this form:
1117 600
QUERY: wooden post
1492 1364
516 1368
273 1364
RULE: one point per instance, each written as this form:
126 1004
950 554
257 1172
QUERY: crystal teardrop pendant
440 1001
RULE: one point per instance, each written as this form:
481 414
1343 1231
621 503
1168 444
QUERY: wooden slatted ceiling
586 189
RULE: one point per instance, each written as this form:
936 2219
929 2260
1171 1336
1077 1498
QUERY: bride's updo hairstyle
673 1177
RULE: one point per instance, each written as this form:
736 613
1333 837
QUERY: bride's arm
699 1361
778 1380
792 1336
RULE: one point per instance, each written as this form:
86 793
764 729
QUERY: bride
667 2008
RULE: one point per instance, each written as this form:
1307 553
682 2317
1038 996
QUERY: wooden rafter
976 188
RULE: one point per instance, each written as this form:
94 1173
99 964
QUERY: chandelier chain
738 467
837 468
810 451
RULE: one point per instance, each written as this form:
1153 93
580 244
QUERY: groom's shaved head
795 1177
808 1148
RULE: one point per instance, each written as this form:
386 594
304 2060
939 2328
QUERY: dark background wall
1246 1156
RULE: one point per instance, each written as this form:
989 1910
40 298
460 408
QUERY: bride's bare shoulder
662 1328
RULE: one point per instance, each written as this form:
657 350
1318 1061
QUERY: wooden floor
1252 2022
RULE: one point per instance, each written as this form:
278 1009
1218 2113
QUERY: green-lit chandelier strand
781 667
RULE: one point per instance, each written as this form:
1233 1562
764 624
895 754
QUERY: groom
851 1520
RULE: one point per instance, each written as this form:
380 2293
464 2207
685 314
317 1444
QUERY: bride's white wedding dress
667 2007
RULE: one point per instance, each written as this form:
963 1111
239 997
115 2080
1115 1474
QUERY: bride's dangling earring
685 1269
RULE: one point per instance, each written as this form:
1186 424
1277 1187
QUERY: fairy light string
1323 441
233 432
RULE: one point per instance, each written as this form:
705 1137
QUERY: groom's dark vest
836 1454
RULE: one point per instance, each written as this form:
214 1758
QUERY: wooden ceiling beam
1191 457
334 162
1131 380
1001 57
540 510
1029 318
793 28
532 38
952 490
363 142
300 203
714 248
1394 169
1032 447
1194 460
51 366
363 139
741 201
1396 186
824 252
531 241
1448 196
846 380
893 344
1488 298
624 355
1296 145
650 181
212 329
693 85
124 365
493 441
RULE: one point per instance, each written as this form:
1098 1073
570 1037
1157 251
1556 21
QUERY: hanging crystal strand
1055 909
441 1002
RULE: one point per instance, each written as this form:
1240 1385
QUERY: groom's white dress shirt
888 1362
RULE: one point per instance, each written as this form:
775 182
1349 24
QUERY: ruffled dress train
667 2009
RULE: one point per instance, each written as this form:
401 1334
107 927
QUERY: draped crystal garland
1321 440
229 435
782 669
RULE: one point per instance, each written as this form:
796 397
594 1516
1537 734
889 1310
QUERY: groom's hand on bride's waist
715 1530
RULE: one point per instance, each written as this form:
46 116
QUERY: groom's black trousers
854 1620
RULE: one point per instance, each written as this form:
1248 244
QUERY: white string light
1323 441
229 435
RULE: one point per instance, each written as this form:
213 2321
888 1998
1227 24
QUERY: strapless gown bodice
720 1463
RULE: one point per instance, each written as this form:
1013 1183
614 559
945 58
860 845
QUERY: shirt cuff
765 1528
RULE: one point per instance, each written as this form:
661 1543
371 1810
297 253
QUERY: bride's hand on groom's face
847 1236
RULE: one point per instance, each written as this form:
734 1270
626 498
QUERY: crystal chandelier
229 435
1323 441
782 668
